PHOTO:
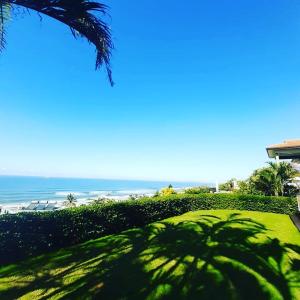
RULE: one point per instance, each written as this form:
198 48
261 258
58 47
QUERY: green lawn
213 254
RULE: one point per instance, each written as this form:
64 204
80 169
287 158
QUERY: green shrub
167 191
228 185
198 190
28 234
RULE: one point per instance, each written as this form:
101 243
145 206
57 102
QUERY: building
287 150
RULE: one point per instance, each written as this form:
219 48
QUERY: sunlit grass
183 257
279 226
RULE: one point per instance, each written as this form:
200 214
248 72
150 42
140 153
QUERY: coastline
17 193
60 204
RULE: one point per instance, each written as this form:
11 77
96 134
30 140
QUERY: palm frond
84 18
4 16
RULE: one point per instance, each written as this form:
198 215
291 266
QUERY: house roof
287 150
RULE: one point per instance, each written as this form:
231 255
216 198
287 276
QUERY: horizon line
101 178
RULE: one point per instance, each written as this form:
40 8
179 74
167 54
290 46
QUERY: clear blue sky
201 88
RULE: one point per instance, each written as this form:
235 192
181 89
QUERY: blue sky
201 88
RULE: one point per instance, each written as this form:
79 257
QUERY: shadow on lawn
206 259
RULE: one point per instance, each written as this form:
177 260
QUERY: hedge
27 234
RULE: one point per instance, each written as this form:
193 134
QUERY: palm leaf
82 16
4 16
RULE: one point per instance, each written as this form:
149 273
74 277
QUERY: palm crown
274 178
82 16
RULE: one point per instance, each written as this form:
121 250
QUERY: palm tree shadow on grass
207 259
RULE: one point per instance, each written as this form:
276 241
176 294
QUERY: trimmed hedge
28 234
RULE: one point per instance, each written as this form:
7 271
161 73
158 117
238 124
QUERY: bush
228 185
168 191
198 190
28 234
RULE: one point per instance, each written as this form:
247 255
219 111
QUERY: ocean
22 190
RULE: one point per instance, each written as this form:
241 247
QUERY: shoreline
18 194
57 204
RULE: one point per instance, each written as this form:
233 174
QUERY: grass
216 254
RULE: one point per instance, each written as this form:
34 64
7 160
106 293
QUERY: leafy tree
246 187
274 180
228 185
83 17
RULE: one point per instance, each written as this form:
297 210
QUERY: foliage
135 196
83 17
99 201
245 187
291 190
102 200
274 180
220 255
228 185
71 200
4 17
156 194
198 190
167 191
28 234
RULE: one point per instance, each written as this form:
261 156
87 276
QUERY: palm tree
273 180
71 200
82 16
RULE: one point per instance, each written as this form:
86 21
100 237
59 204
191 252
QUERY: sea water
22 190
